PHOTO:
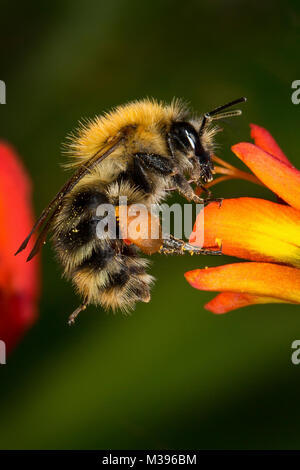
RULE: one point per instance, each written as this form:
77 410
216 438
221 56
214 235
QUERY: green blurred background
172 375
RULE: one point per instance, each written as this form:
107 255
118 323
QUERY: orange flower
264 232
19 281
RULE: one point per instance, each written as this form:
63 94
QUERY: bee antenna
226 106
218 113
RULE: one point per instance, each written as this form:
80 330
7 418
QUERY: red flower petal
281 178
228 301
19 281
262 279
253 229
264 140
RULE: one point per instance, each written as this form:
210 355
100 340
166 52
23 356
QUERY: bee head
185 138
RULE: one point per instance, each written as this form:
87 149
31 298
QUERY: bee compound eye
184 136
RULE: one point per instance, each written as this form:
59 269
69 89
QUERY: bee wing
53 208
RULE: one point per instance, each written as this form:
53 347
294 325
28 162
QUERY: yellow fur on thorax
148 117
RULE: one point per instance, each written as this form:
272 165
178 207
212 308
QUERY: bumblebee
140 150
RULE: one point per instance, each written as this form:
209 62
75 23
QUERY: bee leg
185 189
209 196
140 177
175 246
75 314
215 199
154 162
205 189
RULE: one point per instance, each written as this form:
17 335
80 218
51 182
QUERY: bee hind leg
74 315
175 246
